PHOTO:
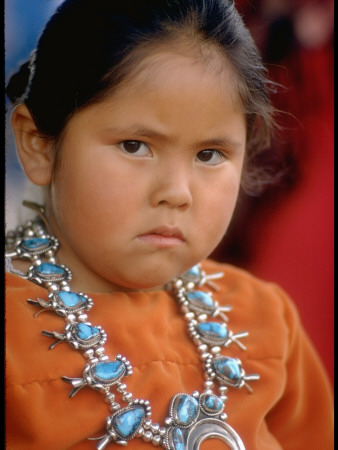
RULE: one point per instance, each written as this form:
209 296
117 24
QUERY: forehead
179 62
180 97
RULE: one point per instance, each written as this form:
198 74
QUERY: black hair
84 52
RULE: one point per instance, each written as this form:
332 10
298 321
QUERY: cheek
94 197
218 205
221 194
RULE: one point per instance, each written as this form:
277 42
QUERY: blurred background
284 235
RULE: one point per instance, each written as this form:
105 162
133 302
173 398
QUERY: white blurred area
24 20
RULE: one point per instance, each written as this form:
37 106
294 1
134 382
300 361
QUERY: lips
163 236
167 232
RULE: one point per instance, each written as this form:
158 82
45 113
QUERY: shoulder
244 287
262 307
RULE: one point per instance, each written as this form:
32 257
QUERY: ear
35 152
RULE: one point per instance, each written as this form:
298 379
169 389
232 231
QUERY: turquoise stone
201 298
127 422
35 243
47 269
109 371
177 439
70 299
228 368
213 330
186 409
194 271
212 402
86 332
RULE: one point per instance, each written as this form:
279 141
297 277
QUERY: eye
136 148
210 157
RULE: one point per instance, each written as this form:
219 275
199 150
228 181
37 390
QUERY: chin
147 285
149 282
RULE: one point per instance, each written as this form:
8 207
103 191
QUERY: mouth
163 236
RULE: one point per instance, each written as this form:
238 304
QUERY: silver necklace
192 418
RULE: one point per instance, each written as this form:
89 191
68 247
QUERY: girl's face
147 180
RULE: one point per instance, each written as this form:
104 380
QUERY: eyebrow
220 142
147 132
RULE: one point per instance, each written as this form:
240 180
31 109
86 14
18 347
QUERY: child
141 121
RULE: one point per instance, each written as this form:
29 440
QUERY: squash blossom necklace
192 418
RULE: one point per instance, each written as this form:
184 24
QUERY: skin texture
135 196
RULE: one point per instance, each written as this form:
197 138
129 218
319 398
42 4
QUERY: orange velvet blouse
290 407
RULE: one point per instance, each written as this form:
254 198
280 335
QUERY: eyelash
220 155
213 152
132 142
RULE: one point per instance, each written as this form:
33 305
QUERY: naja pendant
194 419
213 428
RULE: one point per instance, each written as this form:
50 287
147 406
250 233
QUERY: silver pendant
213 428
194 419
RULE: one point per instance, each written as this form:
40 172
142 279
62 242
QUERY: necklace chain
192 418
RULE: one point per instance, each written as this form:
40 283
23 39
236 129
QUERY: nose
172 188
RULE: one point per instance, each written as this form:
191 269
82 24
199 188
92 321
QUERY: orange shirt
290 407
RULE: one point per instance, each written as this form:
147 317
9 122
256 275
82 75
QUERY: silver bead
140 432
162 431
88 353
71 318
208 391
155 428
148 436
157 441
122 387
202 348
178 284
53 287
202 317
223 389
127 397
215 350
82 317
190 316
110 398
209 384
100 351
147 424
36 261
